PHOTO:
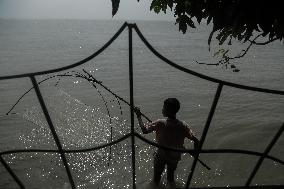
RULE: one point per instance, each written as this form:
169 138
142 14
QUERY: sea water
85 116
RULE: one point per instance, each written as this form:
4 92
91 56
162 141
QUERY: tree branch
266 42
210 64
225 60
247 49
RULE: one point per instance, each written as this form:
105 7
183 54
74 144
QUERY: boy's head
171 107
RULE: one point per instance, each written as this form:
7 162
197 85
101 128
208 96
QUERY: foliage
238 19
241 20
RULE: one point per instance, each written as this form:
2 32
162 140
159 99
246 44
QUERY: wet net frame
133 135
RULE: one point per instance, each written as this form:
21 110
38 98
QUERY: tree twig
266 42
225 60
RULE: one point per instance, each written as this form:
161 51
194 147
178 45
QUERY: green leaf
156 6
199 18
182 23
190 22
115 5
223 35
223 39
209 19
170 4
157 9
230 41
218 52
210 36
225 53
153 4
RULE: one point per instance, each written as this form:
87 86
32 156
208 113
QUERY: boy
170 132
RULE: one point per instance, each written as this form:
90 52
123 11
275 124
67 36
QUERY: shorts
159 166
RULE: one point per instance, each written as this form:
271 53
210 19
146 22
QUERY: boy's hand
137 111
196 144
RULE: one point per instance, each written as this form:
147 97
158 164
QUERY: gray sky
78 9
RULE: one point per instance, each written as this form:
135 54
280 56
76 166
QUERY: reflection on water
78 126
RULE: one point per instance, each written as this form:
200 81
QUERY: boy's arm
145 129
191 136
196 142
141 124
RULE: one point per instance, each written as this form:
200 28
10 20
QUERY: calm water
243 119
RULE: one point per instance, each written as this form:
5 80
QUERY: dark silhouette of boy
170 132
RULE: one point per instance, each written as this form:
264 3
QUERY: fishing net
78 126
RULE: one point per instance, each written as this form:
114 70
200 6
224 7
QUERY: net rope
133 134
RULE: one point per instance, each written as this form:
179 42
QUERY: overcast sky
78 9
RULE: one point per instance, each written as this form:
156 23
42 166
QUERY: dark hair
172 105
